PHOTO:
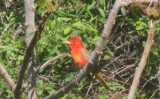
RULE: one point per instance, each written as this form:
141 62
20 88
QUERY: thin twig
42 67
142 63
149 81
53 59
89 89
118 71
154 93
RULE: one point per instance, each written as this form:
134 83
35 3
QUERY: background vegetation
84 19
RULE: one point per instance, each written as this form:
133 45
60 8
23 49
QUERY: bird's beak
67 42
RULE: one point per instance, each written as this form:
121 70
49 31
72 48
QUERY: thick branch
101 43
29 49
30 27
30 20
142 63
7 77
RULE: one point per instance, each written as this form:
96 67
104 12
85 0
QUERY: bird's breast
78 59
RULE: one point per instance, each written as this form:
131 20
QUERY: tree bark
30 23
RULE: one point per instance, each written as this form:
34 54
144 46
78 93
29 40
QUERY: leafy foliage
124 47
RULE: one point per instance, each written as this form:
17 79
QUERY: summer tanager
80 57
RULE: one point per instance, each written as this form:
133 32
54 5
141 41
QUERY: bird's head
74 42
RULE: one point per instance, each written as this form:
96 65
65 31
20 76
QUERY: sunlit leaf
91 4
123 10
67 30
102 12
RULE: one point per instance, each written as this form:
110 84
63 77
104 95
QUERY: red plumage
80 56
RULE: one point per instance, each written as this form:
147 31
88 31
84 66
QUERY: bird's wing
86 54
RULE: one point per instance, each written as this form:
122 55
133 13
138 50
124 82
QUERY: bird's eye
73 41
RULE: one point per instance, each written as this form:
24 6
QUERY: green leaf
123 10
51 91
64 19
78 24
140 27
102 2
103 96
102 12
39 92
67 30
110 52
95 39
91 4
103 20
41 3
115 86
46 3
40 82
106 56
50 6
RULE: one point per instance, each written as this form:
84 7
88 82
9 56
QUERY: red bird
80 57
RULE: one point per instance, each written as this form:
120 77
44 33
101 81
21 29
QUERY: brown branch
158 90
142 63
88 89
29 49
30 20
53 59
42 67
7 77
120 70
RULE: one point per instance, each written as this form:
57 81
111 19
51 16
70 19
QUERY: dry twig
44 66
142 63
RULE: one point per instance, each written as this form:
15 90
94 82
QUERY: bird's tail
99 76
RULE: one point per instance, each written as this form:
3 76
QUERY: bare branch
53 59
89 89
7 77
44 66
142 63
29 49
158 90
